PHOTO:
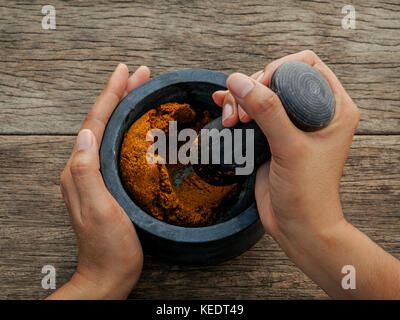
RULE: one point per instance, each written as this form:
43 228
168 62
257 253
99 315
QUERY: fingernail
227 111
141 67
84 140
240 85
118 66
259 78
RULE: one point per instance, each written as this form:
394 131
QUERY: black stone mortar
236 229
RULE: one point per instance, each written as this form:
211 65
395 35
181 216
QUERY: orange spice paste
194 203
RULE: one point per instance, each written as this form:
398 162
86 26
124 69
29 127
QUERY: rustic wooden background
50 78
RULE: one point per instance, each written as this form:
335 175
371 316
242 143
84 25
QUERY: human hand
110 255
297 191
232 111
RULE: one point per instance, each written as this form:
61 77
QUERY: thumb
85 170
264 106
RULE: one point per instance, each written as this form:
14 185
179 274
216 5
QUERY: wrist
318 253
301 241
88 286
98 286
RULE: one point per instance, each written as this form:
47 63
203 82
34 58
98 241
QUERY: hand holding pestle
308 101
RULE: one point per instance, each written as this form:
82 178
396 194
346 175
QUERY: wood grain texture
50 78
35 230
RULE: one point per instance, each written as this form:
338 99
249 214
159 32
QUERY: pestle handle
308 101
305 94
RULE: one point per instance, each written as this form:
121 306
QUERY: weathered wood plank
50 78
35 229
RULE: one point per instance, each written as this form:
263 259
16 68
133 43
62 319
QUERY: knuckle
79 165
267 104
311 57
229 98
106 212
91 117
91 114
96 118
309 53
355 116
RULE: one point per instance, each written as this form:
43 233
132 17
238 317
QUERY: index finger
116 88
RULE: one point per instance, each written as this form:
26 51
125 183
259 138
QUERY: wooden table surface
50 78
